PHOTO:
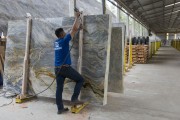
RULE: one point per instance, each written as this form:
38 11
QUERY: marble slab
14 56
96 56
115 83
42 55
95 61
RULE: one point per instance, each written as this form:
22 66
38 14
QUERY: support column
72 5
175 36
26 58
140 34
80 46
133 28
104 6
155 44
130 43
127 25
118 16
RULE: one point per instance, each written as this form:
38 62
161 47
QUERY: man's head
60 33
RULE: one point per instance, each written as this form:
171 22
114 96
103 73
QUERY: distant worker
164 42
62 64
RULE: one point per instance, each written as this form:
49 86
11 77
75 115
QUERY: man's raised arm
75 25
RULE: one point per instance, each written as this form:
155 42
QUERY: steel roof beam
151 9
167 18
151 3
159 12
132 13
163 12
155 11
129 2
157 16
176 19
140 5
171 13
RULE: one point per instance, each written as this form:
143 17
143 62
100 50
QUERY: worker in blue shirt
62 64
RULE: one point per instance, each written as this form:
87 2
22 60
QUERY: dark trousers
1 80
61 74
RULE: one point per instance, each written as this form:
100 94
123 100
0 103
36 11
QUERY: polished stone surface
115 83
42 55
14 56
95 61
96 56
17 9
95 65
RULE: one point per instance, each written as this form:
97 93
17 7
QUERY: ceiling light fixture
172 4
172 12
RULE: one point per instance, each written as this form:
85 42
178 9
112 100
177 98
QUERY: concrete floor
152 92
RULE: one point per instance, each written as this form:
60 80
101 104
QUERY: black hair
58 32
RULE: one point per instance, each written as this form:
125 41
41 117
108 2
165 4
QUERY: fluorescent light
177 3
172 4
175 36
172 12
131 15
176 11
167 36
169 5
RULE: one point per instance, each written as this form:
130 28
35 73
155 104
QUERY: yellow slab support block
76 109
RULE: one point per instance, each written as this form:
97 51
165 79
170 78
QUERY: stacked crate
139 54
126 54
142 53
134 54
146 51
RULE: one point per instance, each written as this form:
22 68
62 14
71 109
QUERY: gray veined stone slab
14 56
95 62
115 83
42 55
96 56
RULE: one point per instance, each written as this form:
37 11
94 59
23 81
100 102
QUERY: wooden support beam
72 5
1 64
26 58
80 46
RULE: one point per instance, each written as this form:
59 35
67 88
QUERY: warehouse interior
127 51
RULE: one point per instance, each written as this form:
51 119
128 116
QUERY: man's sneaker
63 110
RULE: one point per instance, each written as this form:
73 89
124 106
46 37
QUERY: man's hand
76 24
77 14
80 26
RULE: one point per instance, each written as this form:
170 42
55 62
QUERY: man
62 64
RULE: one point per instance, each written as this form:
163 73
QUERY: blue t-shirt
61 48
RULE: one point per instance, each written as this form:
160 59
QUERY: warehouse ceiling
159 15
